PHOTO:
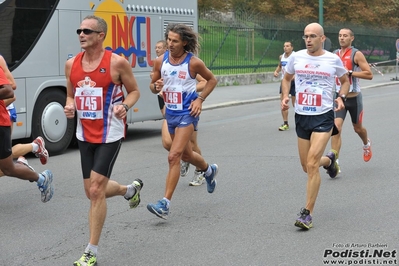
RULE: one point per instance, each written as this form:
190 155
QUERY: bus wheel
50 122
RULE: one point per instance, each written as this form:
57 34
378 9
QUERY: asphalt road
248 220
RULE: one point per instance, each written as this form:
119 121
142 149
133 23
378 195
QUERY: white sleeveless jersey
314 81
179 88
284 61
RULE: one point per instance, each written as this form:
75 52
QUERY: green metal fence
235 45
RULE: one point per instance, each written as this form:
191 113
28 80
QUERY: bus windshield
21 23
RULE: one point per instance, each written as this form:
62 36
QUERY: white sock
208 171
130 191
167 202
92 248
35 147
40 181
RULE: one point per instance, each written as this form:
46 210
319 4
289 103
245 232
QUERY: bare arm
127 78
197 66
201 83
360 60
343 91
156 76
285 90
6 91
9 101
69 108
286 85
278 68
9 76
344 80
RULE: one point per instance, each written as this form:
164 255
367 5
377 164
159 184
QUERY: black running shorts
98 157
307 124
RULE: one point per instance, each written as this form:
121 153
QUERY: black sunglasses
86 31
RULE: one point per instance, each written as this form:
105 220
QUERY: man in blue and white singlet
315 70
280 69
175 74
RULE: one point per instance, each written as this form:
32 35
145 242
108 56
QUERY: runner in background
7 166
37 147
358 68
280 70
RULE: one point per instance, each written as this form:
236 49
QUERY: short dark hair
290 43
350 31
101 24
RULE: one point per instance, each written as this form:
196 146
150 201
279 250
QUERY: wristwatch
343 97
350 72
126 107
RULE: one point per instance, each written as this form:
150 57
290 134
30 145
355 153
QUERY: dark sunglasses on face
86 31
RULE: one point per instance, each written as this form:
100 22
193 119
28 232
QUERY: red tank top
346 58
5 120
95 97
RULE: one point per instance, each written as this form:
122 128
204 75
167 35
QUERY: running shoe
134 201
22 160
339 167
47 188
87 259
333 169
304 220
160 209
184 168
198 178
367 151
210 180
284 127
41 152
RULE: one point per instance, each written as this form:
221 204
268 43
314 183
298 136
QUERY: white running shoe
198 178
184 168
22 160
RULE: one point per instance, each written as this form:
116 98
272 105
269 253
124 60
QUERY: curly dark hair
186 34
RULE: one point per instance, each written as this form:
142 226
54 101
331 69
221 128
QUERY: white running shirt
314 81
284 61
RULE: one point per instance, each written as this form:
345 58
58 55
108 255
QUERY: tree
205 6
382 13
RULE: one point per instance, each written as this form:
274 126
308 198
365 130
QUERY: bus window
21 24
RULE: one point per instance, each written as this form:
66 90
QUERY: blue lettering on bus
140 22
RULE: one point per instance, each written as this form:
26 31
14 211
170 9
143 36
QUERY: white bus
38 36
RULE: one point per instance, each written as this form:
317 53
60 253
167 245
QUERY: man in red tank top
94 93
